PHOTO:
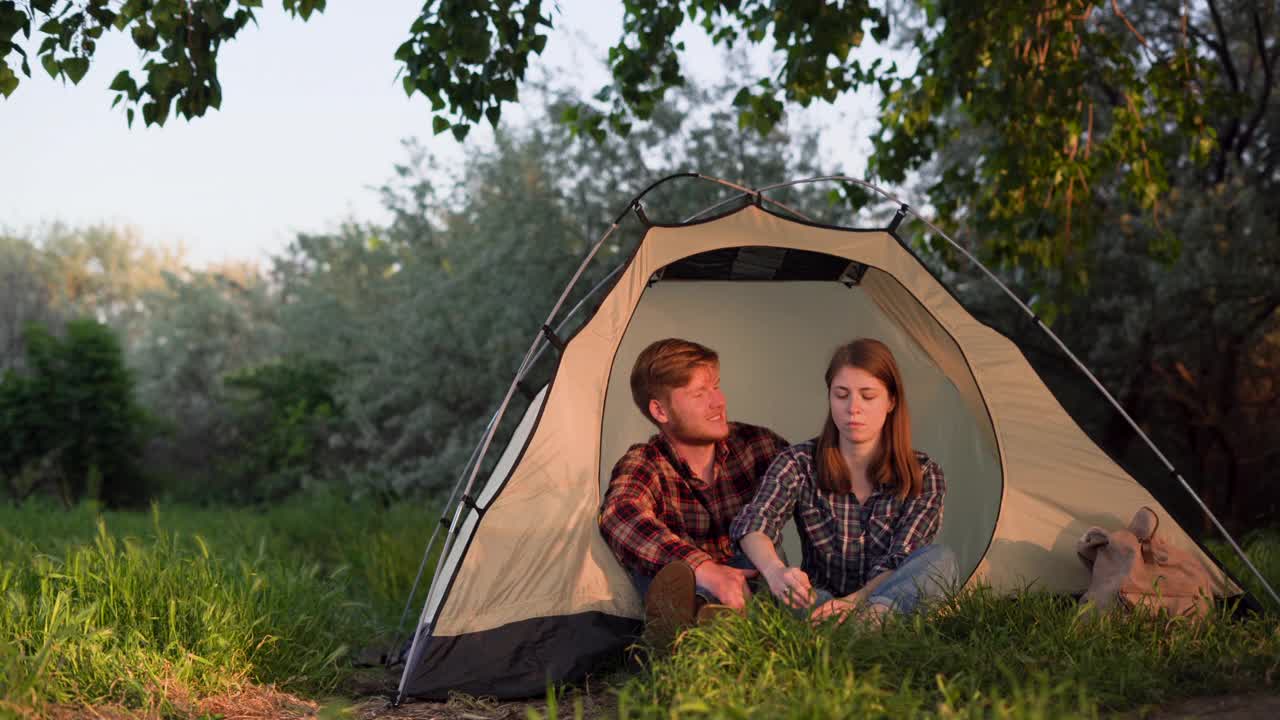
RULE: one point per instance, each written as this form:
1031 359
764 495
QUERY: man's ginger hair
664 366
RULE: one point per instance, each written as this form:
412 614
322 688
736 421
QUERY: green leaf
123 83
881 30
439 125
460 132
50 65
407 82
405 51
8 81
76 67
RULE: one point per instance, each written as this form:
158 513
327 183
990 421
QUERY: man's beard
696 433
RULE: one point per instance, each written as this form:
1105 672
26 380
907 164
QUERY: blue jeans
928 573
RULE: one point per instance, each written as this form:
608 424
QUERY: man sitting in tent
672 500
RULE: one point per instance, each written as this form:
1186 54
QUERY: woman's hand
838 608
790 585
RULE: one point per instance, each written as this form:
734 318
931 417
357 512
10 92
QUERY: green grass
1263 548
146 611
133 609
1033 656
984 656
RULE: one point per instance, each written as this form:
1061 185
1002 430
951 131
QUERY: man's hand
729 585
790 585
838 608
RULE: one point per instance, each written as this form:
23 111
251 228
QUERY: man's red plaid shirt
657 511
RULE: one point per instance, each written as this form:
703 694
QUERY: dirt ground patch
595 698
1252 706
248 702
594 705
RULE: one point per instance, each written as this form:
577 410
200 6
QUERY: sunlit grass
1263 548
983 656
1031 656
145 611
128 608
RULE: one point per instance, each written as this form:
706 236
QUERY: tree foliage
468 58
70 418
26 297
1067 99
429 317
58 272
1072 115
1115 162
1167 293
285 412
178 40
197 329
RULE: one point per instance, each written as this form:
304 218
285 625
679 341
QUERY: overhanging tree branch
1261 110
1224 54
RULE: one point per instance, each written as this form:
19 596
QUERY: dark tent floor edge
520 659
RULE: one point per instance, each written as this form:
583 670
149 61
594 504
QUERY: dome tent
526 592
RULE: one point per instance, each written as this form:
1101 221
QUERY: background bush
69 420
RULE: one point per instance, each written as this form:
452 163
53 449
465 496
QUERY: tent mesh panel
757 262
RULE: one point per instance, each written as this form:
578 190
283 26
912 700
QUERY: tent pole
426 554
1061 345
605 280
541 339
523 370
520 375
746 192
506 400
487 437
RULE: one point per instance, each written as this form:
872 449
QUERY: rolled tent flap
534 579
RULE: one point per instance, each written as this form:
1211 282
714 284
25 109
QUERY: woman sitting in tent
867 506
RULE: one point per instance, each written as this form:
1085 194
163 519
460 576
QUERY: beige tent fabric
537 551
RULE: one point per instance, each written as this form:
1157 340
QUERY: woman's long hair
894 465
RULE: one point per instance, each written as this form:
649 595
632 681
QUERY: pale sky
312 118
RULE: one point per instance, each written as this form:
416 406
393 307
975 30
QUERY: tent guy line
1062 346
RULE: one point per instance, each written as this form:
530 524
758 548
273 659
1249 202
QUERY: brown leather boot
669 605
